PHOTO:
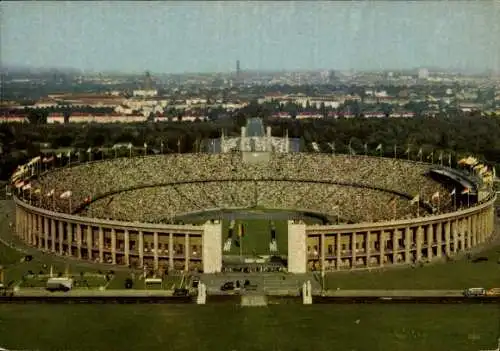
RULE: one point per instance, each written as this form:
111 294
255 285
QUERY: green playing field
256 237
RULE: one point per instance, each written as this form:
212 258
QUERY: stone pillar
439 237
29 223
338 254
419 239
46 233
79 240
395 245
101 245
70 238
455 236
368 248
187 253
430 240
447 229
126 238
353 249
408 243
322 250
155 250
381 242
141 248
39 230
473 230
61 237
113 245
53 230
90 242
171 252
212 248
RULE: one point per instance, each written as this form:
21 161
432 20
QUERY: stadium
253 202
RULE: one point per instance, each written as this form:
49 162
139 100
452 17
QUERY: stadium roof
456 176
255 128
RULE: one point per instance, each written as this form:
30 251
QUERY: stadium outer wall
335 247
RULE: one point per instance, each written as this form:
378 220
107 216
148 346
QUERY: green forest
459 136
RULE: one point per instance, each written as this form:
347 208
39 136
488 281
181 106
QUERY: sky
196 36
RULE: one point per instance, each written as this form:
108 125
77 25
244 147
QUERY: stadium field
256 237
277 327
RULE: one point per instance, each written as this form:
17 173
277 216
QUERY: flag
441 156
379 147
129 146
415 200
27 186
407 151
68 154
466 191
89 150
430 155
366 147
435 196
50 193
37 191
59 155
66 194
454 191
420 151
145 145
241 230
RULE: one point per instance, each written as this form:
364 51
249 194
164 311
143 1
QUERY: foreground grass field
278 327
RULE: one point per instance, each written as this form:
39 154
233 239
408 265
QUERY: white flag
379 147
50 193
145 145
68 154
454 191
89 150
415 200
419 152
66 194
129 146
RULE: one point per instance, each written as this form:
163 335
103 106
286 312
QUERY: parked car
474 292
227 286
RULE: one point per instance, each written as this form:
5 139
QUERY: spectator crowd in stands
157 188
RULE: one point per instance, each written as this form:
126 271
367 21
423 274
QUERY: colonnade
372 245
168 247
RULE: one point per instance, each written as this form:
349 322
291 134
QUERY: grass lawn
229 327
459 274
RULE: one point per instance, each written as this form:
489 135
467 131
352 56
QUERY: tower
237 69
148 82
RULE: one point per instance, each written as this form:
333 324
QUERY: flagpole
54 201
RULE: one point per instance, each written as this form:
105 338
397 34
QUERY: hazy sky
170 37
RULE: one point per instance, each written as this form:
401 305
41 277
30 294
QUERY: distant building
145 93
423 73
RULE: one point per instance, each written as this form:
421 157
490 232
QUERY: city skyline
267 36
